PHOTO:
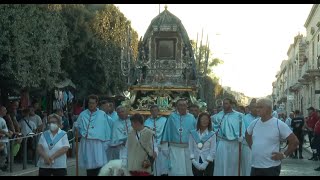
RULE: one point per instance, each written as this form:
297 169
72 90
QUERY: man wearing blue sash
94 127
227 125
246 151
157 123
121 128
176 133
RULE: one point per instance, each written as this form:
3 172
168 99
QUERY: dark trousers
207 172
272 171
316 143
93 172
52 171
310 136
300 138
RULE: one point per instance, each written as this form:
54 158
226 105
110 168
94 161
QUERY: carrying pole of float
77 154
240 144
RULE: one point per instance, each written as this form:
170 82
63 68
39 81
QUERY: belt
139 173
223 138
179 145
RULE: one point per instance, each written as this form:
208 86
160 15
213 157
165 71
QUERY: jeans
271 171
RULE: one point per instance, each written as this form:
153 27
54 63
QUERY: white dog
114 168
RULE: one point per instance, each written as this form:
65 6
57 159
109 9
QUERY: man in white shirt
4 134
263 136
27 128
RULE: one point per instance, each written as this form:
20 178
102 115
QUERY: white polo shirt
266 140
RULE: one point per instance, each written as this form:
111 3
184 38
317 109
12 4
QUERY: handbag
150 158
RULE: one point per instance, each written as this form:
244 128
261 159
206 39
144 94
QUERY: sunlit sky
252 40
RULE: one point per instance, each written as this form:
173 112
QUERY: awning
65 83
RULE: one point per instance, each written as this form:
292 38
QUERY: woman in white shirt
202 146
52 148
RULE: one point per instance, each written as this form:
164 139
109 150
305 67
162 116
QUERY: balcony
296 87
314 72
304 72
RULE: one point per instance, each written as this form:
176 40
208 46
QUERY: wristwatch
284 156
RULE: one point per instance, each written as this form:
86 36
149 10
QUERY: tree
202 53
92 60
110 27
32 38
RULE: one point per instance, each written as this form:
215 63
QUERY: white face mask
53 126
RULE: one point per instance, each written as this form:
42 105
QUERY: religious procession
120 106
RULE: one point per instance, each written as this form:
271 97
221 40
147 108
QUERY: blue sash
205 138
53 142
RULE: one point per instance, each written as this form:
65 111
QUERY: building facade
298 82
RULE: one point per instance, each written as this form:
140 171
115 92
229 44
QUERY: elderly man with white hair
263 137
120 130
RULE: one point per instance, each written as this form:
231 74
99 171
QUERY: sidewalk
31 169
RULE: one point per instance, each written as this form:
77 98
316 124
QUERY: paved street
300 167
290 167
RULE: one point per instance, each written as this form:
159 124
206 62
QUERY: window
166 48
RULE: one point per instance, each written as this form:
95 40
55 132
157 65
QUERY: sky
251 39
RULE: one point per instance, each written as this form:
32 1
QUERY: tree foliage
92 61
110 28
32 38
200 54
210 90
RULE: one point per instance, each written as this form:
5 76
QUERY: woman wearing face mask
52 148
